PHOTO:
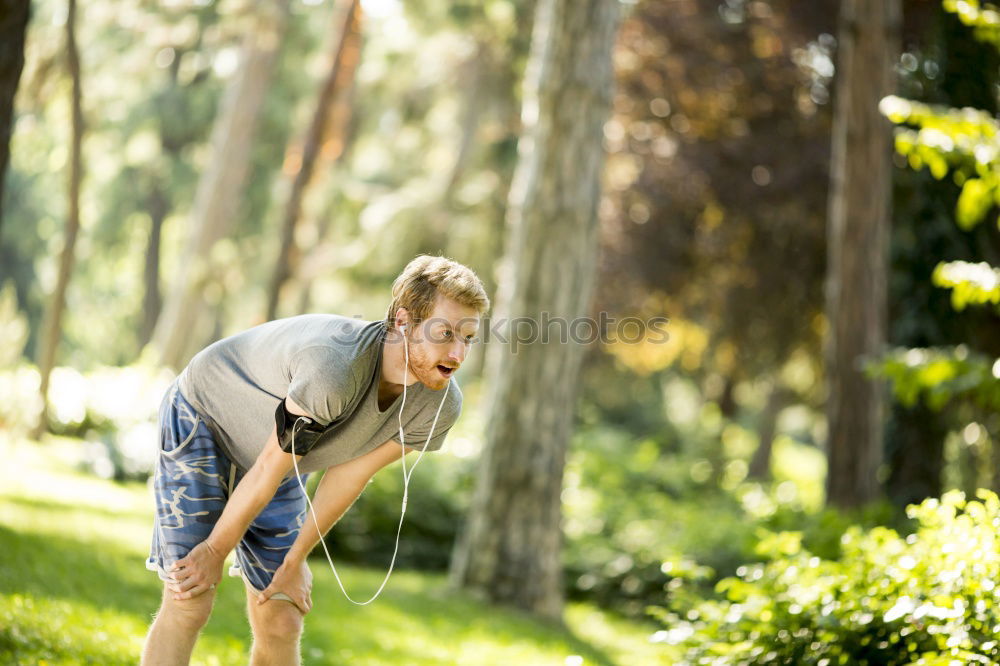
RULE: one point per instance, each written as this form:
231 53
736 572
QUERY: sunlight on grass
51 472
60 631
73 589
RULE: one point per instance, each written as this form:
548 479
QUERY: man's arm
202 567
340 486
251 495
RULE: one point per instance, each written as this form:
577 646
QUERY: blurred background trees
52 323
248 160
324 140
181 329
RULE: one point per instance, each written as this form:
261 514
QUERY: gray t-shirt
330 366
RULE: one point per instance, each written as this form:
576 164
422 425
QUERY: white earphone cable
406 482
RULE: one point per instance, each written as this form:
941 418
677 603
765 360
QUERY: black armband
303 429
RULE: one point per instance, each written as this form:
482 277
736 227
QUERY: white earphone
406 477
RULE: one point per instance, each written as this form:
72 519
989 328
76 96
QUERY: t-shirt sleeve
321 383
416 436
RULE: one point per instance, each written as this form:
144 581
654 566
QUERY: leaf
974 202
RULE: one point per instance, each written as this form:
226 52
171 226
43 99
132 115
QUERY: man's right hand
198 572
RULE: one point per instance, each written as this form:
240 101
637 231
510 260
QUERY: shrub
927 598
113 409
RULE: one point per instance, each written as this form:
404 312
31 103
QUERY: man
225 475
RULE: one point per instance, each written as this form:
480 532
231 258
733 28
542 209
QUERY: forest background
806 193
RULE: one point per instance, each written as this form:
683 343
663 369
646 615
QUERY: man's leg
277 628
277 623
172 635
191 483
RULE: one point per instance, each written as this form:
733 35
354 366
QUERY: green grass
74 590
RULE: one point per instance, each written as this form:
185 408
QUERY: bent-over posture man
225 478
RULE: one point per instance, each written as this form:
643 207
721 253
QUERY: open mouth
446 371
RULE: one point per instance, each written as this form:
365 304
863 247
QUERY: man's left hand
294 580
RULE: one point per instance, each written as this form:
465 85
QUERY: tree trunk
183 327
52 325
760 463
858 246
305 278
510 547
915 453
470 77
324 130
152 301
971 468
13 27
159 199
713 449
503 100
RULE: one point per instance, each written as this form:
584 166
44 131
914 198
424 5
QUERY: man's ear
402 319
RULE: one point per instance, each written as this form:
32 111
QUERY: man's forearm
336 493
251 495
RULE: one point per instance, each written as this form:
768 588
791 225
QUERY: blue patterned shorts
192 483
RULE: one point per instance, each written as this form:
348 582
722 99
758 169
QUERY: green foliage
962 141
634 512
941 375
974 284
977 198
925 598
983 18
966 143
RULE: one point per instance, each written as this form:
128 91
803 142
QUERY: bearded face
427 364
439 344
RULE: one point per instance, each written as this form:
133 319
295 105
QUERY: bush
631 505
366 534
113 409
928 598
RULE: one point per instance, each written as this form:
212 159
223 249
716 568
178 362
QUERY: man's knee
277 621
187 614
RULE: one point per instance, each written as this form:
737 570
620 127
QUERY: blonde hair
424 278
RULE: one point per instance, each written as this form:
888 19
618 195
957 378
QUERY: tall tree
52 323
510 548
13 26
178 128
760 462
152 301
326 134
183 327
858 236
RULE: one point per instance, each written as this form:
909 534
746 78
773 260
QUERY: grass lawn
74 590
